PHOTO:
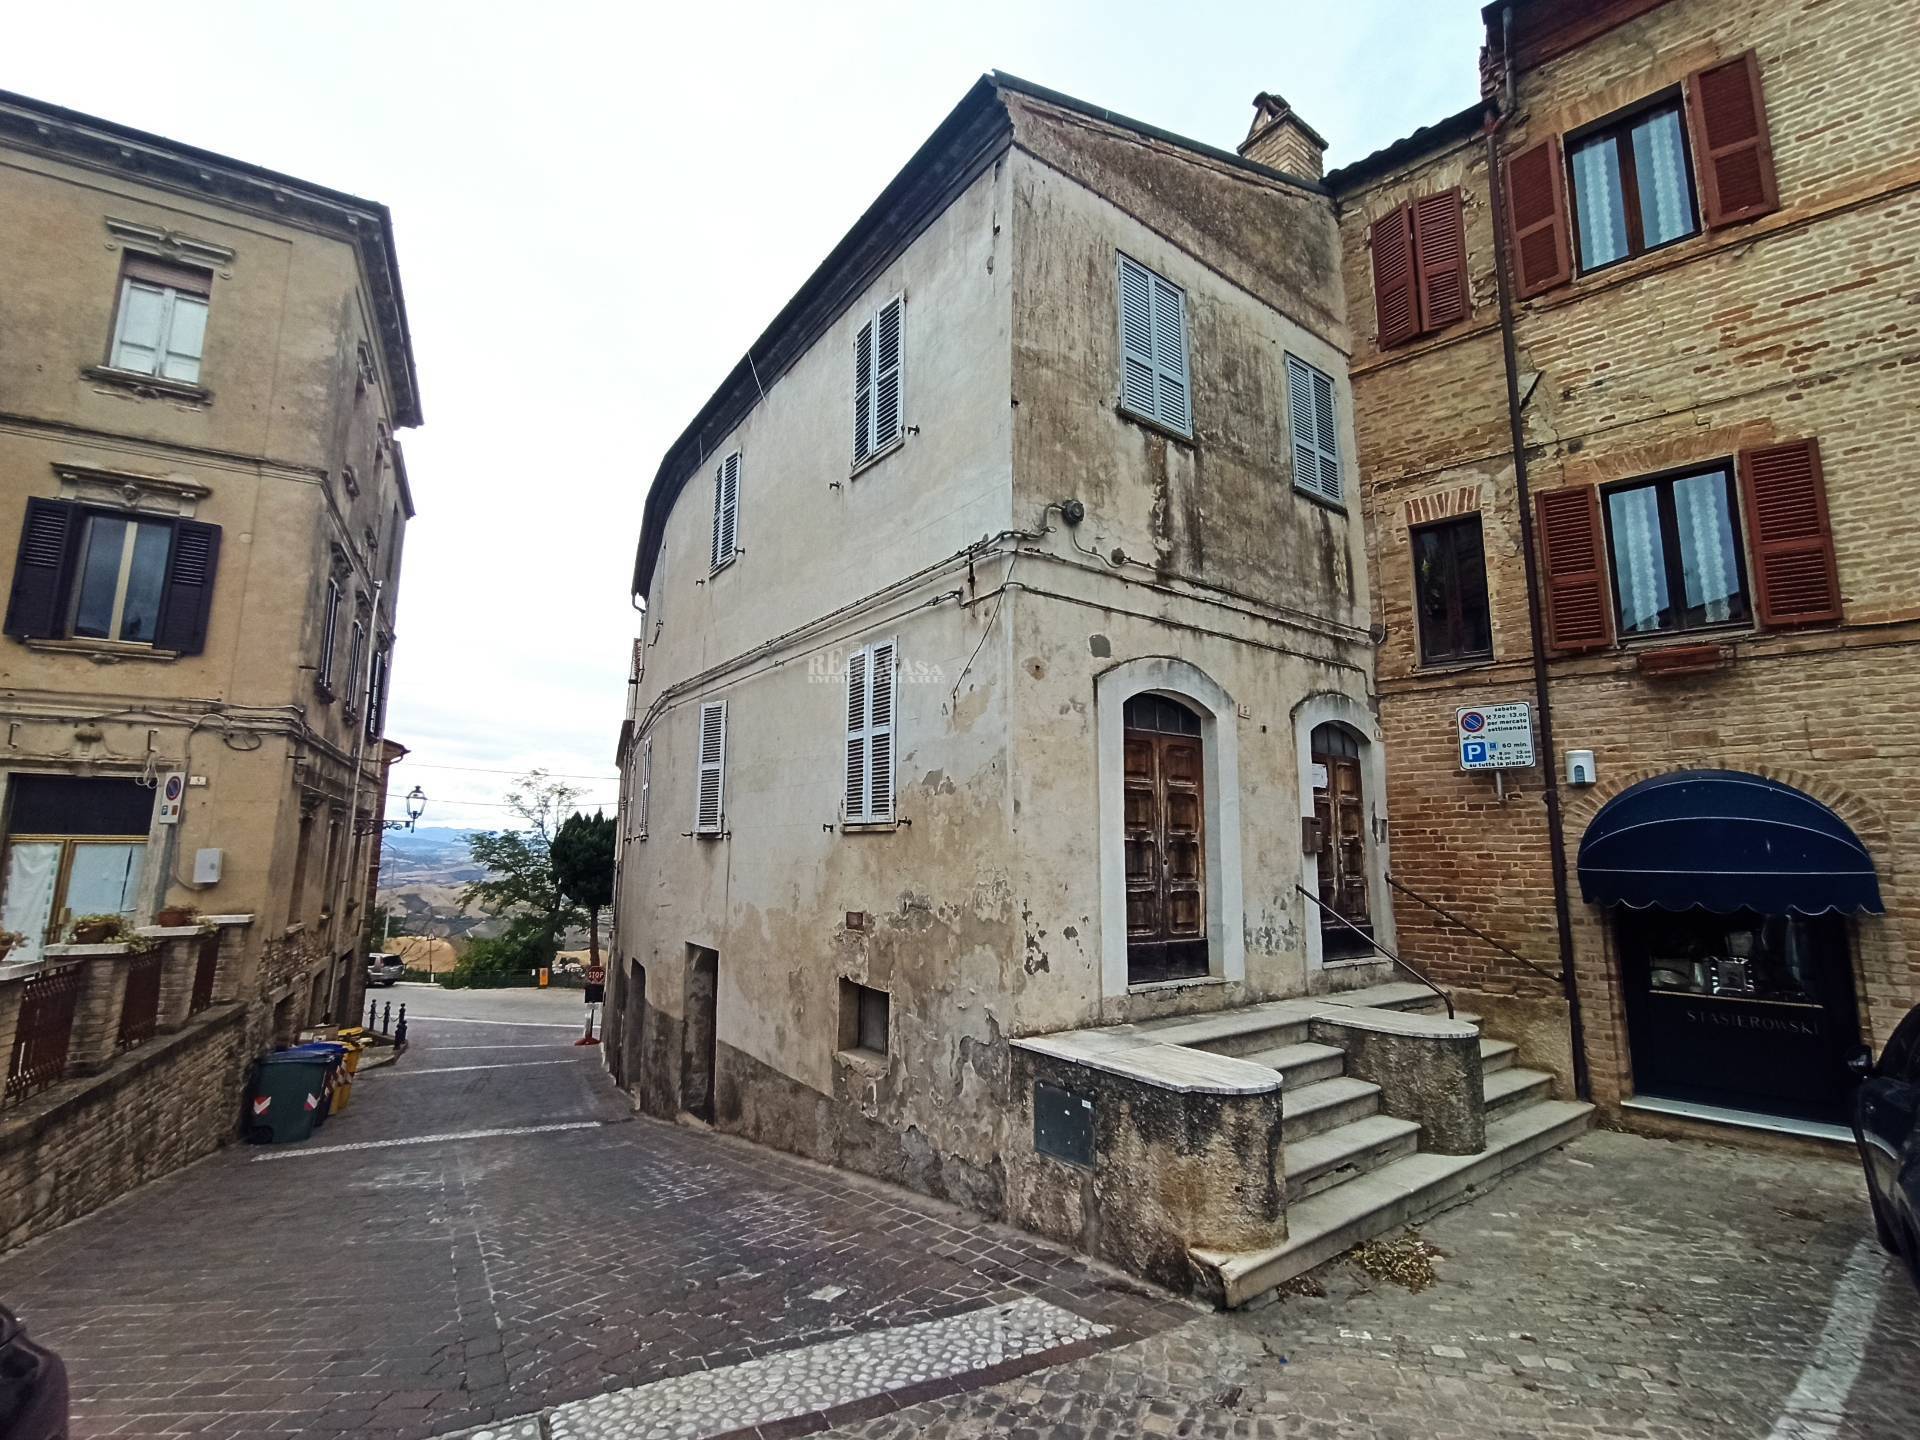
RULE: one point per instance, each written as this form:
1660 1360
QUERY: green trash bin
288 1089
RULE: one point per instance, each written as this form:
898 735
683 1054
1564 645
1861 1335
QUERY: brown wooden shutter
1537 218
1785 497
188 598
1394 303
1440 256
1574 570
1731 148
43 569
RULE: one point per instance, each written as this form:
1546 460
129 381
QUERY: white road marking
1818 1404
504 1045
427 1139
503 1065
817 1377
519 1024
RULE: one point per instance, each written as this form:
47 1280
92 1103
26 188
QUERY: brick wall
152 1110
1801 323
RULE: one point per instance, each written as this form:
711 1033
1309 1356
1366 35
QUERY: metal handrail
1326 909
1451 918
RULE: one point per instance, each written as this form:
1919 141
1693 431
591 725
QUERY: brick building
204 369
1652 482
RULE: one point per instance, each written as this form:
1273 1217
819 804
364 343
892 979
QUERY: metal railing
1452 919
140 1008
203 972
1326 909
44 1033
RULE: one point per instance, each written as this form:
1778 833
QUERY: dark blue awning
1721 840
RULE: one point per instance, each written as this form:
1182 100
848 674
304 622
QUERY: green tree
520 880
583 869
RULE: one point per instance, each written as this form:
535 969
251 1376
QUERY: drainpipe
1536 628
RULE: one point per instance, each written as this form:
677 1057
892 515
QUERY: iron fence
45 1031
140 1010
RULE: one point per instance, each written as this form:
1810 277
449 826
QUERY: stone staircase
1352 1170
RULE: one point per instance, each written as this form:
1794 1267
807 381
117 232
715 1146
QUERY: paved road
1623 1288
365 1285
412 1289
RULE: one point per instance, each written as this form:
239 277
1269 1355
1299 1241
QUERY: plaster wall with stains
294 392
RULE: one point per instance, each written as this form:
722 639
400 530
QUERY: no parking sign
1495 737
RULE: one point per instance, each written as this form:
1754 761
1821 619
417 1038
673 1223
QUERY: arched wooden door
1166 841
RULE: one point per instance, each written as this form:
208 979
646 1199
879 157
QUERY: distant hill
422 873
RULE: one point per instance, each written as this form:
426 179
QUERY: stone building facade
206 368
1005 700
1703 209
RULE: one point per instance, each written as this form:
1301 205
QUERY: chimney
1281 139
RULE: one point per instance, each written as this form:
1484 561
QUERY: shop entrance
1729 895
1748 1011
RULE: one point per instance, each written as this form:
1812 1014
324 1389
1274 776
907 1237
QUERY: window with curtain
1675 548
1632 185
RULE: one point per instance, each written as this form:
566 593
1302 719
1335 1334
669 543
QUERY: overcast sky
598 207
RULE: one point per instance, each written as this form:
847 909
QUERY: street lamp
416 806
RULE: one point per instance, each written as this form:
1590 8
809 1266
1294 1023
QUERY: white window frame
712 760
726 513
170 300
866 799
1313 423
1156 378
329 633
871 440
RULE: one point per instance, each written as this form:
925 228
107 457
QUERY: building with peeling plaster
1005 694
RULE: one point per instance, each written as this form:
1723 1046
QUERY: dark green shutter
188 601
44 569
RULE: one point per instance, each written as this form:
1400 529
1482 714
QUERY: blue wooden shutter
1137 385
1170 356
1311 418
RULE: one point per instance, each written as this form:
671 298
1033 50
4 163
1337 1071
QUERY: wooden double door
1165 820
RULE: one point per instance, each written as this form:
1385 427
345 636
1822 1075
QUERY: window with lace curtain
1675 547
1632 185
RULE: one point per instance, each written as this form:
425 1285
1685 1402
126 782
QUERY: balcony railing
45 1031
140 1009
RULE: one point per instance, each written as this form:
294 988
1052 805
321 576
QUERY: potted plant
174 917
96 929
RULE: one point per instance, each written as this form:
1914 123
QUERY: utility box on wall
206 866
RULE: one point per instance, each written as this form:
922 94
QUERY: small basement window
863 1019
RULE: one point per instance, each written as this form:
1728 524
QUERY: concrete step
1393 995
1323 1226
1315 1108
1508 1090
1302 1064
1235 1032
1333 1156
1496 1054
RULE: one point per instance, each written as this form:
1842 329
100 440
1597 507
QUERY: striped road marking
503 1065
426 1139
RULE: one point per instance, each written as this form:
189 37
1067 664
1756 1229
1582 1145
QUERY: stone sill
149 387
897 443
1169 987
170 932
1147 422
226 919
86 952
872 1062
102 652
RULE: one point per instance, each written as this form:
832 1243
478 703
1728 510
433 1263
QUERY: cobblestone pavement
1623 1287
408 1290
